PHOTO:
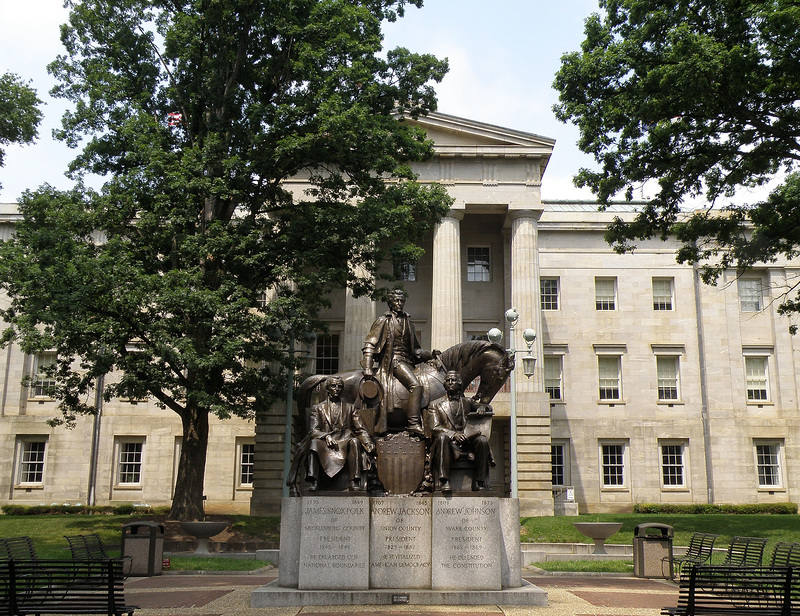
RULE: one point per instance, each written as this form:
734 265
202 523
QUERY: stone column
447 323
269 453
525 290
533 405
359 313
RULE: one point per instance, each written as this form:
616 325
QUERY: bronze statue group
452 426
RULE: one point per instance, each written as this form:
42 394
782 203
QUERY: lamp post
528 365
309 338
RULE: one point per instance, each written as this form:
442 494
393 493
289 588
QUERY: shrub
700 508
126 509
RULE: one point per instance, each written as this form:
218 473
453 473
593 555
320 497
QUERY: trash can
143 543
652 551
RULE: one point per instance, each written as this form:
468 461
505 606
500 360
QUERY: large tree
699 98
19 112
200 113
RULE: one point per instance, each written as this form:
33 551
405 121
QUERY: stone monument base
272 595
354 550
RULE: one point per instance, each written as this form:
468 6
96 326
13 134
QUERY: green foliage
246 146
126 509
699 508
699 98
19 112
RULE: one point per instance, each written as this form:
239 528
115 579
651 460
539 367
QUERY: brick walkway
229 595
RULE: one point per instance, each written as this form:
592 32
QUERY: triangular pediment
452 134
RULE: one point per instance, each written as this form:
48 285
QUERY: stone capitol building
649 387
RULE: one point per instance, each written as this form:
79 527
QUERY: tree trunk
187 503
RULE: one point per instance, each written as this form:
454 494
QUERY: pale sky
503 56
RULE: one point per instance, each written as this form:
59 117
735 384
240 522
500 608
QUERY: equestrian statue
392 392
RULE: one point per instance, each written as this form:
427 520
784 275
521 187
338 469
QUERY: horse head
493 376
479 358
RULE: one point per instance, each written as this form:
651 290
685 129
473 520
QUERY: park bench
701 547
745 552
726 589
17 548
788 555
62 587
87 547
91 548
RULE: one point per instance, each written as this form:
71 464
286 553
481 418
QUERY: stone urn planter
599 532
202 530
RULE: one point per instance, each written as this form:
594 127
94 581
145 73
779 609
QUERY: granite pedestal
399 550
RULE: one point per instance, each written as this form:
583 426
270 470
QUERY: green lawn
214 563
48 532
561 530
773 527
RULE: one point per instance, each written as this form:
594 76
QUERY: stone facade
649 385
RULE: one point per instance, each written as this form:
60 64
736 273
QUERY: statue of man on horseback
397 382
393 342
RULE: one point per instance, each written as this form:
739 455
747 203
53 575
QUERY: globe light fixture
528 365
528 361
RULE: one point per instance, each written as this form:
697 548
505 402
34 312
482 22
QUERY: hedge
699 508
127 509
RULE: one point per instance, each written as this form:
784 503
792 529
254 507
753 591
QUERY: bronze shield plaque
401 463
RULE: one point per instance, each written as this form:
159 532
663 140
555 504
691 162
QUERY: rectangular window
605 293
558 464
130 463
247 453
327 354
609 377
548 292
667 374
478 264
768 464
41 382
31 460
552 376
672 474
750 294
662 293
756 378
404 271
613 464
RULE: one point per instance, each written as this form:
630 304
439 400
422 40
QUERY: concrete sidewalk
228 594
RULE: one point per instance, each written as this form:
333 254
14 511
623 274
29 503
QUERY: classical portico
494 175
481 259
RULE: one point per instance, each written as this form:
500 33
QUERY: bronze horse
477 358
